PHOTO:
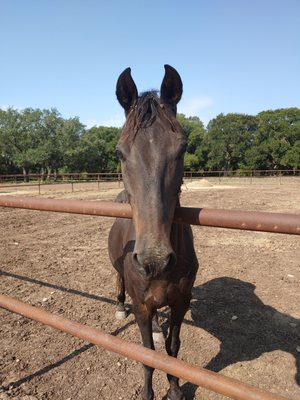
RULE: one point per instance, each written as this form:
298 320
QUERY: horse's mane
143 114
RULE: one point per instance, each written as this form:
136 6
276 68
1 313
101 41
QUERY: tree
6 164
34 140
20 135
228 138
38 140
291 158
194 132
277 134
48 155
191 162
69 140
96 150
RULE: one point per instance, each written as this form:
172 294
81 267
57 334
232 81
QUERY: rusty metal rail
221 218
199 376
234 219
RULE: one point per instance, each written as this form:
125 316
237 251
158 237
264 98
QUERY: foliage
194 132
96 151
35 140
228 138
276 143
42 141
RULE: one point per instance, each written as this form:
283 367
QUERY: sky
239 56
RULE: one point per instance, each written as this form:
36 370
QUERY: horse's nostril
153 265
140 264
170 260
135 258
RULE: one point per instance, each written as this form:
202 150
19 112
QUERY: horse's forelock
143 114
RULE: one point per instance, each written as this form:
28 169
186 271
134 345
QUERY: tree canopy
35 140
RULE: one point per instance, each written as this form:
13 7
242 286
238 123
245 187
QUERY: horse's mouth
154 272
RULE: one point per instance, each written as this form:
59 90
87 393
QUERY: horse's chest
158 294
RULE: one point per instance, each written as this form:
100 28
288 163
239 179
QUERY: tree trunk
26 174
49 170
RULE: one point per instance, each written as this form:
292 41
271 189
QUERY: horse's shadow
229 309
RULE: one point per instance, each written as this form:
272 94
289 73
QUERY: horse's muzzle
154 264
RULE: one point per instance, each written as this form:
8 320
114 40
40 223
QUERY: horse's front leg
120 311
157 332
173 346
144 320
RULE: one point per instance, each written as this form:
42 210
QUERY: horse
155 258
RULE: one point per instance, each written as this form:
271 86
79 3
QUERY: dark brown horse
154 257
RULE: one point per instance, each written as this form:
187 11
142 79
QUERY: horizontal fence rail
235 219
51 181
75 176
116 175
210 380
41 181
220 218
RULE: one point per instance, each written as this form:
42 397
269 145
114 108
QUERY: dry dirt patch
244 319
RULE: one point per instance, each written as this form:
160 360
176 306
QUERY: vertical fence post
98 181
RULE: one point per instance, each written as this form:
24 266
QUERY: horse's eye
182 150
120 155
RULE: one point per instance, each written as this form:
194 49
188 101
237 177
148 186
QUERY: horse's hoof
121 315
183 398
176 395
158 337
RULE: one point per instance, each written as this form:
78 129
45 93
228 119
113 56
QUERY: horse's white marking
158 337
121 315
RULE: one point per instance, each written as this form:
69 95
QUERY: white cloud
90 123
115 122
5 107
194 106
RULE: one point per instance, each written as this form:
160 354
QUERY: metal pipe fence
40 181
210 380
235 219
251 176
220 218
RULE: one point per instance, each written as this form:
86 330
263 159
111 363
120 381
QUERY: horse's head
151 150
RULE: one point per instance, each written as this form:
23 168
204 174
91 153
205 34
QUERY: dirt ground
244 319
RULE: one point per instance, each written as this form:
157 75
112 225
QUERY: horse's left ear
171 87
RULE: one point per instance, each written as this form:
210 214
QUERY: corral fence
199 376
71 179
235 219
247 177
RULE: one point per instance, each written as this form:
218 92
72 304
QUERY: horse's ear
171 87
126 90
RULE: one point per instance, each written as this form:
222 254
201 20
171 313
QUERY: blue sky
233 55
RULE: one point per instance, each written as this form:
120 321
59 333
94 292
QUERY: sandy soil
244 320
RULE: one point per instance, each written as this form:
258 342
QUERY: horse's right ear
126 90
